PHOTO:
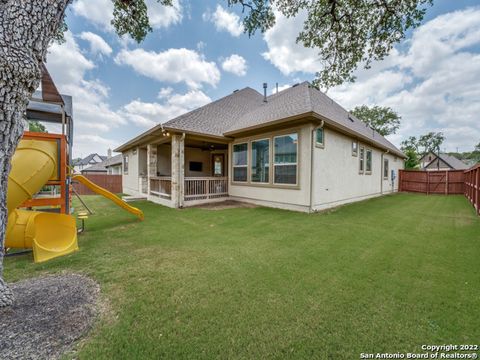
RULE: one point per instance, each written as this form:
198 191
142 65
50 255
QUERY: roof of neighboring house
451 161
104 165
246 109
86 160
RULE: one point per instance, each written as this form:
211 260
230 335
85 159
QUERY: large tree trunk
26 29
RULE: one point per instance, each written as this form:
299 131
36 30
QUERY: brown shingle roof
219 116
246 109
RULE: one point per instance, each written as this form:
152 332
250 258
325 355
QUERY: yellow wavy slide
48 234
107 194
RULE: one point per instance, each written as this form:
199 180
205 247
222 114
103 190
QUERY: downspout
312 163
382 164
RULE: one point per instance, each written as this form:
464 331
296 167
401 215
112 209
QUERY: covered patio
181 170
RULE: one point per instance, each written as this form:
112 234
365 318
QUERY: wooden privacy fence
112 183
432 182
472 186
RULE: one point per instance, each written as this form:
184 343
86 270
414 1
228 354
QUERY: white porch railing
202 188
161 186
196 188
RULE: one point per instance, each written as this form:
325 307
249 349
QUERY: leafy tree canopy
35 126
412 159
346 33
382 119
424 143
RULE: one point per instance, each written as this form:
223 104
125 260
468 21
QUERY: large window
362 161
240 162
385 169
125 164
368 162
260 164
285 159
320 137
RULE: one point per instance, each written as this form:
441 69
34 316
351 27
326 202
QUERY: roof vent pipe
264 92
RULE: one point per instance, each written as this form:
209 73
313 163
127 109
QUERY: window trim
125 171
387 168
368 172
285 164
355 153
270 135
318 144
269 139
238 166
361 160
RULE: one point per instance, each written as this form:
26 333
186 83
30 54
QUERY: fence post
428 182
446 182
477 188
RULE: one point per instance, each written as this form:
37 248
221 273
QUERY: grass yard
384 275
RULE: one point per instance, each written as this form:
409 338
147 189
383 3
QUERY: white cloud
235 64
283 52
225 21
280 88
164 92
434 83
161 16
149 114
97 44
172 65
92 113
100 13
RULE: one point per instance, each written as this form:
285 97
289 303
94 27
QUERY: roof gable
246 108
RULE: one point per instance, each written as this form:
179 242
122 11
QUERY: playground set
38 221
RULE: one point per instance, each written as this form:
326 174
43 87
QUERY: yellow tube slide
105 193
49 235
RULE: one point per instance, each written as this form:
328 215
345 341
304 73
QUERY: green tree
345 33
412 159
415 148
36 126
382 119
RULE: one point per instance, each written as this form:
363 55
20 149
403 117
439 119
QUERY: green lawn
384 275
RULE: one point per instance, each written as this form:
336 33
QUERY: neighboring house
296 149
111 166
92 159
431 162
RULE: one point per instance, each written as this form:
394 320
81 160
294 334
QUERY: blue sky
198 53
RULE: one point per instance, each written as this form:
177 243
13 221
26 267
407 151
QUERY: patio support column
151 164
178 170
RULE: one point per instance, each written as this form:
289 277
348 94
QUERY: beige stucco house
296 149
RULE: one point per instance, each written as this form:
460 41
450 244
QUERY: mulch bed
50 313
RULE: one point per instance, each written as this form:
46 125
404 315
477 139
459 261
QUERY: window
260 161
285 159
125 164
362 160
354 148
240 162
320 137
385 169
368 167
